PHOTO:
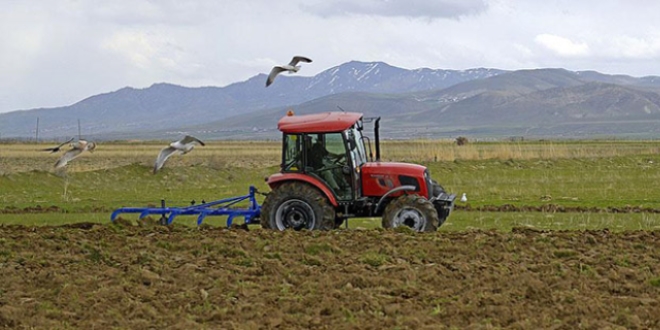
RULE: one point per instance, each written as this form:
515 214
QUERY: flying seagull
76 149
58 148
183 146
291 67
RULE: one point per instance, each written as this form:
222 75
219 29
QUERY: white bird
291 67
183 146
76 150
464 198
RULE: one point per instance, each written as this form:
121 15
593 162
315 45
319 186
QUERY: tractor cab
333 158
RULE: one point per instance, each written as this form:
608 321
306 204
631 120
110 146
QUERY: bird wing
273 73
297 59
67 157
188 139
164 154
54 149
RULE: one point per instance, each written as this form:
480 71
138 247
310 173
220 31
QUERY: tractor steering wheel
337 159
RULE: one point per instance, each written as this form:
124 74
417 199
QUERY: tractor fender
399 188
279 178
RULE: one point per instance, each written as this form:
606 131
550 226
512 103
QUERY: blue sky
58 52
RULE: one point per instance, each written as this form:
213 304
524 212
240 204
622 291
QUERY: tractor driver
321 160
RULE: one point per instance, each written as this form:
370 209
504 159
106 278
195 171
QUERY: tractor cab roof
318 123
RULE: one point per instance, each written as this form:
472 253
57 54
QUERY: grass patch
602 174
374 259
564 253
316 249
655 282
311 261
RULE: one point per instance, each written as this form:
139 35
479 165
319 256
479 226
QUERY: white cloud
398 8
562 46
58 52
634 47
138 48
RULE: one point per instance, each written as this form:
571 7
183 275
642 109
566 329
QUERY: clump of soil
125 275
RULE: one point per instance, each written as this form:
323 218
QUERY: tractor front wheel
297 205
412 211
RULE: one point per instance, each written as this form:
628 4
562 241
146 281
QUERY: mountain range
420 103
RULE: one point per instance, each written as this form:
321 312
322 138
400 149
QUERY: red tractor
327 177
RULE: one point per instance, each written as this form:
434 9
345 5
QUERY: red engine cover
379 178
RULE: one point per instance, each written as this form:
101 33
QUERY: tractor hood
394 168
380 177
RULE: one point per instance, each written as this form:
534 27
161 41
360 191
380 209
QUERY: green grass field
597 174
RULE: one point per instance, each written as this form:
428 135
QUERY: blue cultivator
219 207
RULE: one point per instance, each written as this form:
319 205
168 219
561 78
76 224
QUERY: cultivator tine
114 215
200 218
170 219
163 219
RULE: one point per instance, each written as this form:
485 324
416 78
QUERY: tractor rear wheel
412 211
297 205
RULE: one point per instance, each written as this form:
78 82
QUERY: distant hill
412 103
129 112
540 103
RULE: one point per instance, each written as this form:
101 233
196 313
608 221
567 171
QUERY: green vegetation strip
548 193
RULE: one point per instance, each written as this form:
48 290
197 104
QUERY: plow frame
218 207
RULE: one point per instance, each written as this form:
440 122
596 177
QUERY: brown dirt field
136 277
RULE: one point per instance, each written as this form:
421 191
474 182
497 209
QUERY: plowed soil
138 277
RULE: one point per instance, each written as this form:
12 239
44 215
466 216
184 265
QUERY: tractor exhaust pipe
377 138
